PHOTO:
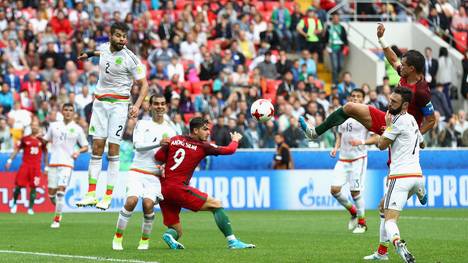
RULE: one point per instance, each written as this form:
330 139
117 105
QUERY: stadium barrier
306 188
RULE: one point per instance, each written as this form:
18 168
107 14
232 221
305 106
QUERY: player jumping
117 67
143 178
405 176
29 173
64 136
181 156
351 167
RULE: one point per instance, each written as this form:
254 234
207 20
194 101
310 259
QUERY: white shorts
58 176
399 190
353 173
108 120
144 186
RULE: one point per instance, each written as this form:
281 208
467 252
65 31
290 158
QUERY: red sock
57 218
382 250
144 238
352 210
109 192
119 235
362 221
92 187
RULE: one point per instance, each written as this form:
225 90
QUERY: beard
396 111
117 46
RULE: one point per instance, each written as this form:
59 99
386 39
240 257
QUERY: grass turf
280 236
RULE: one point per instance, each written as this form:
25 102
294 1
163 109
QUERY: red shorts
28 175
378 120
177 197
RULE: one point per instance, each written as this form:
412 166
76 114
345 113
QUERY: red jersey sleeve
161 154
422 97
213 149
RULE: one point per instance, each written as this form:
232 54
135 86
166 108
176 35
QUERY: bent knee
334 190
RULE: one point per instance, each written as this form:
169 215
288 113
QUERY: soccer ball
262 110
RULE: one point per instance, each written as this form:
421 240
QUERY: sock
392 230
52 199
336 118
360 207
222 220
16 193
112 173
343 200
383 246
95 166
122 222
32 197
59 206
173 233
147 226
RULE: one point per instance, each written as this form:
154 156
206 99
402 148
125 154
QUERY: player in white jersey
351 167
63 136
143 181
405 178
118 68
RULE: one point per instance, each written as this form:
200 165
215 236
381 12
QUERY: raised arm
226 150
389 54
88 54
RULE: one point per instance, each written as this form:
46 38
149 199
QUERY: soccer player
405 178
351 167
117 67
143 179
63 136
181 156
29 173
411 70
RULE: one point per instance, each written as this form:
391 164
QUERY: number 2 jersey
183 154
406 138
33 148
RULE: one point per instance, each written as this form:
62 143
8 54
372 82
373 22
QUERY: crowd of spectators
208 58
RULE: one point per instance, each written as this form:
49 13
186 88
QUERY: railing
364 38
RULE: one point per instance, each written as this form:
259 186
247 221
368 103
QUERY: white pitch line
435 218
74 256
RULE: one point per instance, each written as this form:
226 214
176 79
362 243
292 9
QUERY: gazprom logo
309 198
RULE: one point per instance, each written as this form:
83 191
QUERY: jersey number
107 67
34 150
416 143
119 130
178 158
349 127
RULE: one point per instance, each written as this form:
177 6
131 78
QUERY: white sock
112 170
59 203
147 225
95 167
124 217
360 206
383 232
343 200
393 233
231 237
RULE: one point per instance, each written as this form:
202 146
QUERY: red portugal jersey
183 154
33 148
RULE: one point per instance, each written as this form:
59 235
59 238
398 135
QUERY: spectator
462 124
12 79
283 65
311 29
19 120
6 98
444 75
374 101
309 62
345 87
82 99
189 50
281 19
49 70
460 20
448 137
270 36
162 55
464 84
186 104
268 132
431 67
439 23
440 102
267 68
252 135
246 46
282 159
240 77
220 133
294 137
286 88
175 68
6 142
337 41
61 24
15 55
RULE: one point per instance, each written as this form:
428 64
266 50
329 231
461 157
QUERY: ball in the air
262 110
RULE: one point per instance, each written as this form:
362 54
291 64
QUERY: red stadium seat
180 4
164 83
270 96
198 86
272 85
148 4
270 5
266 15
187 85
460 40
156 14
290 5
186 63
187 117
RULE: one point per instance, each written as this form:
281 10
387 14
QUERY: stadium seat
164 83
187 85
266 15
460 40
198 86
156 15
179 5
187 117
270 5
290 5
186 63
272 85
270 96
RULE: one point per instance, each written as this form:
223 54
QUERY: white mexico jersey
352 129
406 138
148 132
116 73
64 138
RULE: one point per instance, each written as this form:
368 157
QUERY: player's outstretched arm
374 139
388 52
428 123
337 145
161 154
88 54
11 158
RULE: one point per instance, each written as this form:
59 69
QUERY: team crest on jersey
139 69
119 60
72 130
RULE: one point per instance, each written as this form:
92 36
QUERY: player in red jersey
29 173
181 155
411 70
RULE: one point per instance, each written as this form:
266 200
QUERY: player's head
412 62
357 96
399 100
279 138
68 110
35 127
119 36
199 128
158 105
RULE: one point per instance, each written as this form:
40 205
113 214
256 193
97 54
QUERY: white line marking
74 256
435 218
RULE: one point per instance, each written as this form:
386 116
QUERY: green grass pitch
281 236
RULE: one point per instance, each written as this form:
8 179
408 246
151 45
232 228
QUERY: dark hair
197 123
416 59
396 50
405 93
443 52
119 26
67 105
359 91
156 96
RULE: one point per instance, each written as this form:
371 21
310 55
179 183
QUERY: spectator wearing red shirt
61 24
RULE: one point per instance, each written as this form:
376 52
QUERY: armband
428 109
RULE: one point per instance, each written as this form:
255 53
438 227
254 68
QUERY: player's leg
356 185
223 223
147 224
340 175
124 216
170 212
357 111
381 253
16 193
112 174
21 181
34 181
52 184
64 175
